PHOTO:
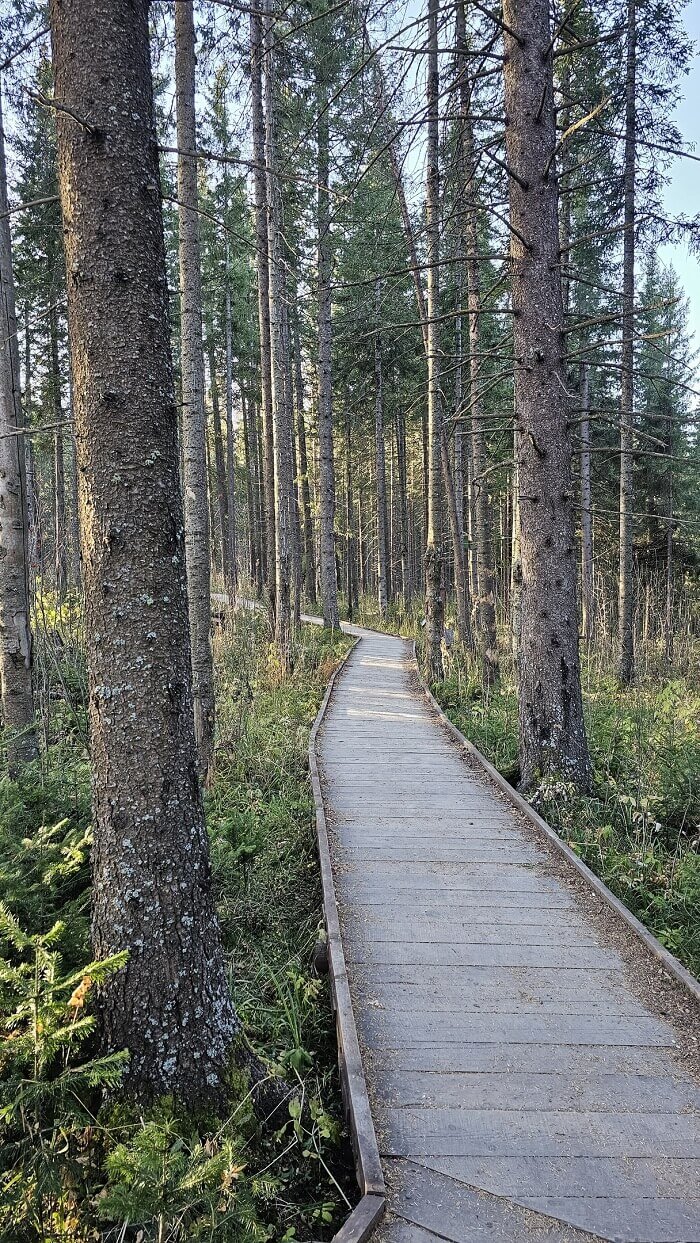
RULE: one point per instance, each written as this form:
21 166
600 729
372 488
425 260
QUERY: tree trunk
35 552
194 427
170 1006
551 735
220 488
587 594
281 412
434 607
380 463
406 575
59 470
15 629
483 518
625 639
326 470
304 488
230 562
263 278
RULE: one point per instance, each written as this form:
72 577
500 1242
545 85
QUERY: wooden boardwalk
522 1086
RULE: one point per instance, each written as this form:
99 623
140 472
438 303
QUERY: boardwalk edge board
667 960
367 1214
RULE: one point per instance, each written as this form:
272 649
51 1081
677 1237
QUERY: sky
683 193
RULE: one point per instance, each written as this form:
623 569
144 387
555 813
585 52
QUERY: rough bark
170 1006
625 640
587 596
15 628
552 737
434 606
406 575
326 468
262 266
194 438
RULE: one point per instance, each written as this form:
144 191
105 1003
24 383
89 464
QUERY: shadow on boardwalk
523 1084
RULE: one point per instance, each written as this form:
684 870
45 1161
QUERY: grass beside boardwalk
640 830
73 1169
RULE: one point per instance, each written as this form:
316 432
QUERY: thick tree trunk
326 468
434 605
170 1006
587 595
552 736
263 279
194 426
380 463
15 629
625 638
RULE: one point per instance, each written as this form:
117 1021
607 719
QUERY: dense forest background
431 375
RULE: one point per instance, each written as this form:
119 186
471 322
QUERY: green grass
74 1168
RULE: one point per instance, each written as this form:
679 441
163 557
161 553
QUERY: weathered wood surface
521 1086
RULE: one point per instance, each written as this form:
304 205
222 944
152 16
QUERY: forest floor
640 829
71 1169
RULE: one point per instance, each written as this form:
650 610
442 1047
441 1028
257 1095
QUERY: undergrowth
640 828
76 1162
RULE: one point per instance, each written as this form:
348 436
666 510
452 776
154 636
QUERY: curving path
522 1085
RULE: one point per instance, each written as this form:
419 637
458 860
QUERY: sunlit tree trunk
15 628
552 737
230 556
194 438
59 467
152 895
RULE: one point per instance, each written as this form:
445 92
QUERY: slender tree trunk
263 279
668 640
35 552
194 427
59 470
304 487
552 736
482 509
326 472
586 510
406 575
15 628
380 462
230 556
170 1006
350 583
625 639
281 411
434 607
220 489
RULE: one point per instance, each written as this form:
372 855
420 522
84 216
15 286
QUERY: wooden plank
520 1177
637 1093
474 953
388 1030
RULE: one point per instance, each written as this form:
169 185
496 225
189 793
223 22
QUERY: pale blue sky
683 193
